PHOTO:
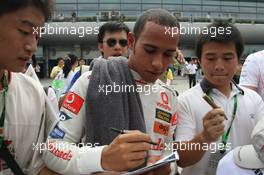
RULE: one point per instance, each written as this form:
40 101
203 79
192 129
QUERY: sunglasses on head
111 42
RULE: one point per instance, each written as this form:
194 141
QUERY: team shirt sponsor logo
65 155
64 117
73 102
164 98
57 133
174 119
165 101
159 146
161 128
162 115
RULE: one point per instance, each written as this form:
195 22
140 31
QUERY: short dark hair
8 6
58 59
231 34
111 27
158 16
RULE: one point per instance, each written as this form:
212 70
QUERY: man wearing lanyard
203 135
22 100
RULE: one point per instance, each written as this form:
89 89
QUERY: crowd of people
128 87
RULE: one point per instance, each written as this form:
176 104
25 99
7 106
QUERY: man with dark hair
112 42
22 99
112 39
88 111
204 130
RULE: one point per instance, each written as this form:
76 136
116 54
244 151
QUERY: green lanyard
2 119
225 135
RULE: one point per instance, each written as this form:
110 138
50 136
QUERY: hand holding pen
211 103
126 151
124 132
213 122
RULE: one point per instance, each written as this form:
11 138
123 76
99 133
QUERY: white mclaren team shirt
252 73
159 108
24 123
227 166
192 108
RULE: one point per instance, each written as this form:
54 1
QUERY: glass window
172 1
65 1
247 16
60 7
260 10
260 16
211 8
130 7
85 1
109 6
131 1
131 13
192 8
210 15
191 14
260 4
109 1
229 3
65 13
230 9
150 6
173 7
247 4
192 2
247 10
211 2
88 7
85 13
151 1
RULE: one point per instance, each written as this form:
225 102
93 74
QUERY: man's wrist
203 138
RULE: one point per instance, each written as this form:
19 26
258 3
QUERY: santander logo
159 146
59 153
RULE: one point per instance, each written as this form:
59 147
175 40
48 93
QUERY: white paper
168 159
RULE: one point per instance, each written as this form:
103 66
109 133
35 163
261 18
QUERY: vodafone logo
73 102
165 101
70 98
164 97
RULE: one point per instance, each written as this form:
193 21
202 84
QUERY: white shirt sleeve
185 129
36 163
63 154
259 105
250 72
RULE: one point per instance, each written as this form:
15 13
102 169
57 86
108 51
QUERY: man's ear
131 40
100 47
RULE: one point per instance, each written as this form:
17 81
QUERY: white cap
252 156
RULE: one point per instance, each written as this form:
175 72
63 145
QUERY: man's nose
157 62
31 45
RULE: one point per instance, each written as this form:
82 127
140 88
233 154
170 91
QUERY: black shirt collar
207 86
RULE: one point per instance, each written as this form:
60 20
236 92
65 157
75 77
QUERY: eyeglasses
111 42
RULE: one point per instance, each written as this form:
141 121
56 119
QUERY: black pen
123 132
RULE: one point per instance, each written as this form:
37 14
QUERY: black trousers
192 80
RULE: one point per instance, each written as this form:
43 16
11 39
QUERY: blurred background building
75 23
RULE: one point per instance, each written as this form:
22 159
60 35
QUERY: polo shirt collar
207 87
